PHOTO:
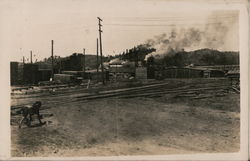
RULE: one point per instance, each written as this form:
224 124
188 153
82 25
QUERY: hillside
201 57
198 57
72 62
180 59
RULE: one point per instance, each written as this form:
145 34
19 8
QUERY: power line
177 18
120 24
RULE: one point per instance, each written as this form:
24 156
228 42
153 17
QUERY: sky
27 25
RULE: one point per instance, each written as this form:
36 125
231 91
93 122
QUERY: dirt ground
133 126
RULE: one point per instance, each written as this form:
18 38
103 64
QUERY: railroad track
62 92
147 90
133 94
75 90
45 87
62 97
141 91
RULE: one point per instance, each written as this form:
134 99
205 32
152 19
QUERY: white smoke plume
211 35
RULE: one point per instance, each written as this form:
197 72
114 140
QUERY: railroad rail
141 91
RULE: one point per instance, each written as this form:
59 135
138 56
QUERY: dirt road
133 126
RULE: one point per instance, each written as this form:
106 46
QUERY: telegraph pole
52 59
100 39
136 56
83 63
97 59
84 60
31 57
60 65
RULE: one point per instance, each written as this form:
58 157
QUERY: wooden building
27 74
175 72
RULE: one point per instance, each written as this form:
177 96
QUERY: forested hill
201 57
179 59
183 58
72 62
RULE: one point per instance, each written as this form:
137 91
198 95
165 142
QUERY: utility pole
136 56
52 59
84 60
97 59
100 39
31 57
60 67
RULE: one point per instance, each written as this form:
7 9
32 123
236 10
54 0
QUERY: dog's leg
30 117
20 123
39 117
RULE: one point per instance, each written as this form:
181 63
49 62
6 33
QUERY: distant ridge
202 57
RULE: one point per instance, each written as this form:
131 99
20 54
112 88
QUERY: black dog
28 111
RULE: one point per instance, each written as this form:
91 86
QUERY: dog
28 111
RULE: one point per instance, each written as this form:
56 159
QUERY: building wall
30 74
188 73
179 73
20 73
27 74
121 69
96 75
14 73
44 75
220 67
64 78
24 74
141 73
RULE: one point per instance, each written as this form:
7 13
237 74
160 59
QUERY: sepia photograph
123 78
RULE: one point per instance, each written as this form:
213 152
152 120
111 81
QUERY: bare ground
138 126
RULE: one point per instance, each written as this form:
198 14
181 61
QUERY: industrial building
23 74
175 72
31 74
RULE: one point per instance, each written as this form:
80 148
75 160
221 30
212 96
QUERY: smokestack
84 60
31 57
52 58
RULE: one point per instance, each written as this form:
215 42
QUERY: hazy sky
72 24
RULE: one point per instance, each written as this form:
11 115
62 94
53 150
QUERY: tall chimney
31 57
52 59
